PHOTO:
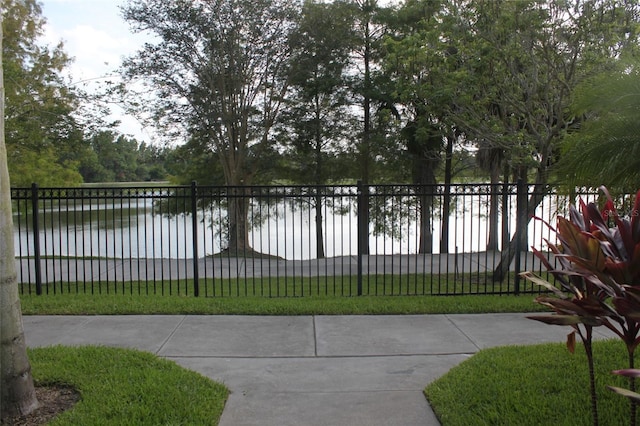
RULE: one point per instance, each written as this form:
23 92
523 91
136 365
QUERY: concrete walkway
307 370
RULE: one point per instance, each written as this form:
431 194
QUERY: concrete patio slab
487 331
143 332
361 335
322 374
328 409
242 336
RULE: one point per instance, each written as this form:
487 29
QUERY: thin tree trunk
492 242
505 209
446 199
17 393
508 253
238 220
365 148
366 134
588 347
318 179
633 408
425 200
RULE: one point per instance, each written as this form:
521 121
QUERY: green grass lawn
123 304
409 294
531 385
127 387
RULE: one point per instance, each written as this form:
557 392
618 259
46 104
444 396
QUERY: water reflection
142 228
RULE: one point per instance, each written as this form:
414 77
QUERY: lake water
136 229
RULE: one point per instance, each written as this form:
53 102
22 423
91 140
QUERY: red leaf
627 307
579 219
572 238
562 306
571 320
628 372
635 219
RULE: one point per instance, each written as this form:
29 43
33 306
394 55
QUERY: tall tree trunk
239 200
17 393
366 133
426 229
318 191
365 148
426 188
446 199
505 208
494 198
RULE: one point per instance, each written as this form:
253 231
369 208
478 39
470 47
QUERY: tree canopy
44 140
317 120
325 87
218 69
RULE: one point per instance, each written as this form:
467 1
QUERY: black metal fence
279 241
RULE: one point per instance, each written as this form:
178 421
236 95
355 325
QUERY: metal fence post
521 221
36 237
194 237
363 228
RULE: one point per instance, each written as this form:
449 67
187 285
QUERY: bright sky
96 36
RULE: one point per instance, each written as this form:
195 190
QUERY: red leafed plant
597 281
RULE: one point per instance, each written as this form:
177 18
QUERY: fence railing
280 241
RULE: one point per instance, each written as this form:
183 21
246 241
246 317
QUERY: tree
418 58
372 90
317 121
117 158
194 162
424 145
44 140
491 159
218 70
17 393
521 62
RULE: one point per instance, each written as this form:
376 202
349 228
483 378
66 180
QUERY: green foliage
503 73
217 74
608 106
127 387
42 136
42 167
317 122
116 158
